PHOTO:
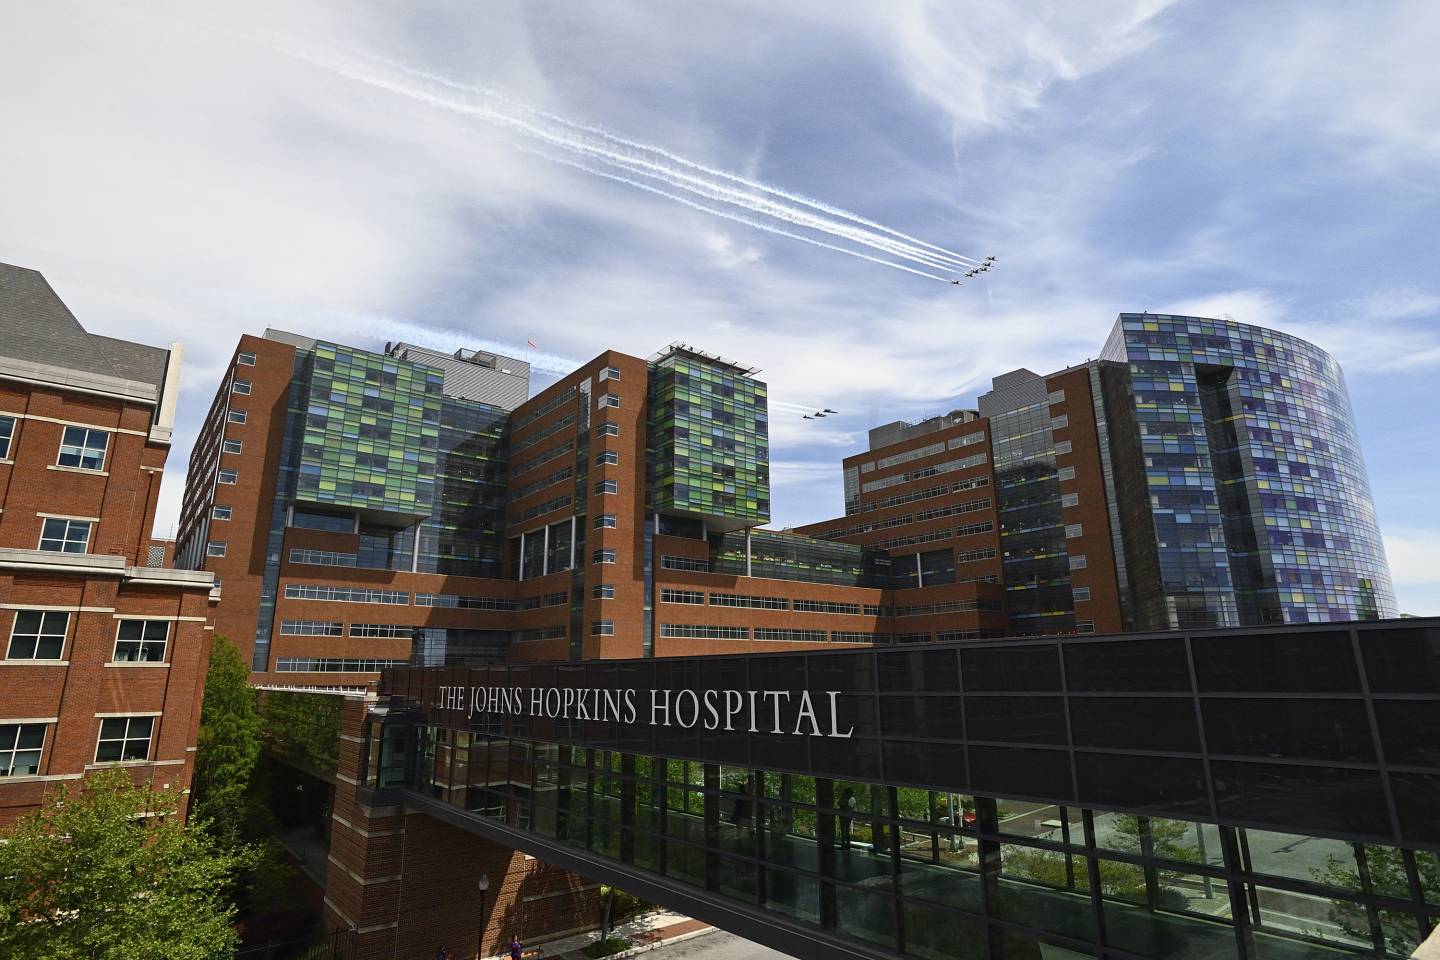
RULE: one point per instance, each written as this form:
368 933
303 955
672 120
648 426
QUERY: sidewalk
645 932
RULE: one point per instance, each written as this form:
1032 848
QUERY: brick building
365 508
105 646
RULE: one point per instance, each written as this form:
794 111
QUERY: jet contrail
727 215
567 139
667 155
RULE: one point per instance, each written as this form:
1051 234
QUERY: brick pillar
408 882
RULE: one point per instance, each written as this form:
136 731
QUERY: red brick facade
66 615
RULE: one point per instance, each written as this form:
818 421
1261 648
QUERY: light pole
484 885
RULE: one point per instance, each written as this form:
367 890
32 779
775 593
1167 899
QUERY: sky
446 173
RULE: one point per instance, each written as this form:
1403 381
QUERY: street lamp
484 885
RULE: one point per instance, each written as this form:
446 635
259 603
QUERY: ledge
85 470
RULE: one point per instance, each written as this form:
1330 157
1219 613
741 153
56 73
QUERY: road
715 946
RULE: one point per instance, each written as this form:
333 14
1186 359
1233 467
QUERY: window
1056 396
826 606
698 631
604 556
609 373
1069 499
685 563
311 628
385 631
1077 562
1081 593
236 416
602 591
83 448
7 433
1063 446
742 600
219 511
1060 422
229 476
241 387
124 738
246 358
20 747
605 520
1065 473
1073 530
602 628
311 591
334 665
607 486
38 635
682 596
215 548
608 428
141 641
232 446
65 536
608 400
607 456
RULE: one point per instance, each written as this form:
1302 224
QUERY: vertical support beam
627 808
1092 873
1239 905
987 825
825 850
711 775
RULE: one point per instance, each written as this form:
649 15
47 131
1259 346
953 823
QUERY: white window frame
210 546
1080 594
236 416
1078 561
604 555
605 521
604 487
1064 446
80 449
1065 473
9 753
45 615
232 446
234 476
1074 530
602 591
609 373
236 384
602 628
216 514
607 428
65 538
125 739
607 458
7 437
607 400
143 643
245 358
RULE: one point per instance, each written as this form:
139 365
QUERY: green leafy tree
1387 876
91 875
227 745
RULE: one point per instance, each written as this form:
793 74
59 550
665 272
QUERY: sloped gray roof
37 327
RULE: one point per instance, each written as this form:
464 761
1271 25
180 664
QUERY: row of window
333 665
121 739
40 635
698 598
311 591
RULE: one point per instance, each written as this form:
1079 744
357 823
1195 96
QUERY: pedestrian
516 948
442 953
847 813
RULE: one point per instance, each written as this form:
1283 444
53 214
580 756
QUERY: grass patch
607 947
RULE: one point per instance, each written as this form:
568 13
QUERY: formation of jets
818 413
976 271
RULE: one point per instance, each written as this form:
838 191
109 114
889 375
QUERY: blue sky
180 173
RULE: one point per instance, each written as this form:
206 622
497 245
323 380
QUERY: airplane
828 410
806 416
819 414
990 259
957 282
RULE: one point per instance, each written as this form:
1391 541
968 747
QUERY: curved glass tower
1239 478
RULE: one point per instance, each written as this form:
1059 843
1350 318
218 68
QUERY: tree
1387 876
105 869
226 746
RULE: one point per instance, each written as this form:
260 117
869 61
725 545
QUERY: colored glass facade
1259 500
371 430
710 432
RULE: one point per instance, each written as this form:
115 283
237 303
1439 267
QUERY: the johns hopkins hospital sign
798 713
